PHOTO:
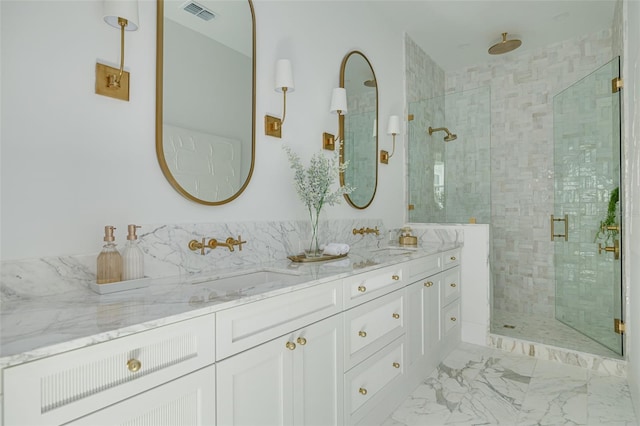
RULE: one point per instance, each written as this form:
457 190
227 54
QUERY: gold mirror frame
159 110
374 151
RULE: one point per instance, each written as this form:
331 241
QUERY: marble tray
303 258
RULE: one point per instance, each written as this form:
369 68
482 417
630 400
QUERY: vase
313 249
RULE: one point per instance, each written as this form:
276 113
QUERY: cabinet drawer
246 326
427 266
451 258
366 384
363 287
450 318
184 401
373 325
64 387
450 285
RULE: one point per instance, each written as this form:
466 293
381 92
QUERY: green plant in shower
610 220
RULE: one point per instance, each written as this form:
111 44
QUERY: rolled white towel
336 249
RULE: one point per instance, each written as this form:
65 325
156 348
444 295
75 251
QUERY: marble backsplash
167 254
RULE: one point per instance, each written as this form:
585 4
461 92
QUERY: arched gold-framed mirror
205 97
359 129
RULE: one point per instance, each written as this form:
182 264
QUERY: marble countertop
33 328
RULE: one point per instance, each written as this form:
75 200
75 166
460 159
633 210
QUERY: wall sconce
111 81
284 84
338 106
393 128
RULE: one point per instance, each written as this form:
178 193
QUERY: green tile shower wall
522 86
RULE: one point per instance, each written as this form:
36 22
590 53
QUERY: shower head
450 136
504 46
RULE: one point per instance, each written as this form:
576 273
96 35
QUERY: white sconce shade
284 76
393 128
339 100
126 9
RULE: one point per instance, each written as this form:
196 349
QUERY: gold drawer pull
396 316
396 365
290 345
453 319
134 365
453 285
452 258
362 391
302 341
428 284
362 289
362 333
395 277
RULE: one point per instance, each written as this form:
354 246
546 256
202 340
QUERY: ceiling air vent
199 11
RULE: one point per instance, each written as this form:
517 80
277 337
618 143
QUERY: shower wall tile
522 170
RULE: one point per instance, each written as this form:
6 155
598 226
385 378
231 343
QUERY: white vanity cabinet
67 386
423 331
295 379
186 401
450 321
433 305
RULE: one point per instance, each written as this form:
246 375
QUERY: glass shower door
587 257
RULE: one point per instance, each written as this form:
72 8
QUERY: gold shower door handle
615 249
566 227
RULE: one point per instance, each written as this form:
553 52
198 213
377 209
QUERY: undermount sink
394 251
249 279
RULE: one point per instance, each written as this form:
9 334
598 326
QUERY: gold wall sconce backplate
103 74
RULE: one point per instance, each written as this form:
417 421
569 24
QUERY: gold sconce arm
393 129
284 84
114 82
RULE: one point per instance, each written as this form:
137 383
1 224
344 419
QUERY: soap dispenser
109 260
132 257
406 239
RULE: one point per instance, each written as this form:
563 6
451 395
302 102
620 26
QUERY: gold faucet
363 231
213 243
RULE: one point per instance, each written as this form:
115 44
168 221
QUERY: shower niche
449 173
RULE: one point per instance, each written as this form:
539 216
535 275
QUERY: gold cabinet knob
428 284
362 391
134 365
453 319
290 345
453 285
396 316
395 277
302 341
362 333
452 258
396 365
362 288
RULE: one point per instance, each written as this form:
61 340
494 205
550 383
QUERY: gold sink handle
195 245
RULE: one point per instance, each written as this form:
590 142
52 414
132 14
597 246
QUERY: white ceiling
457 33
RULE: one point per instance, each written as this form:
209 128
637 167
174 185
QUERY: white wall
631 76
73 161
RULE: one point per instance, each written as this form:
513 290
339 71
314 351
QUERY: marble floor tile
485 386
